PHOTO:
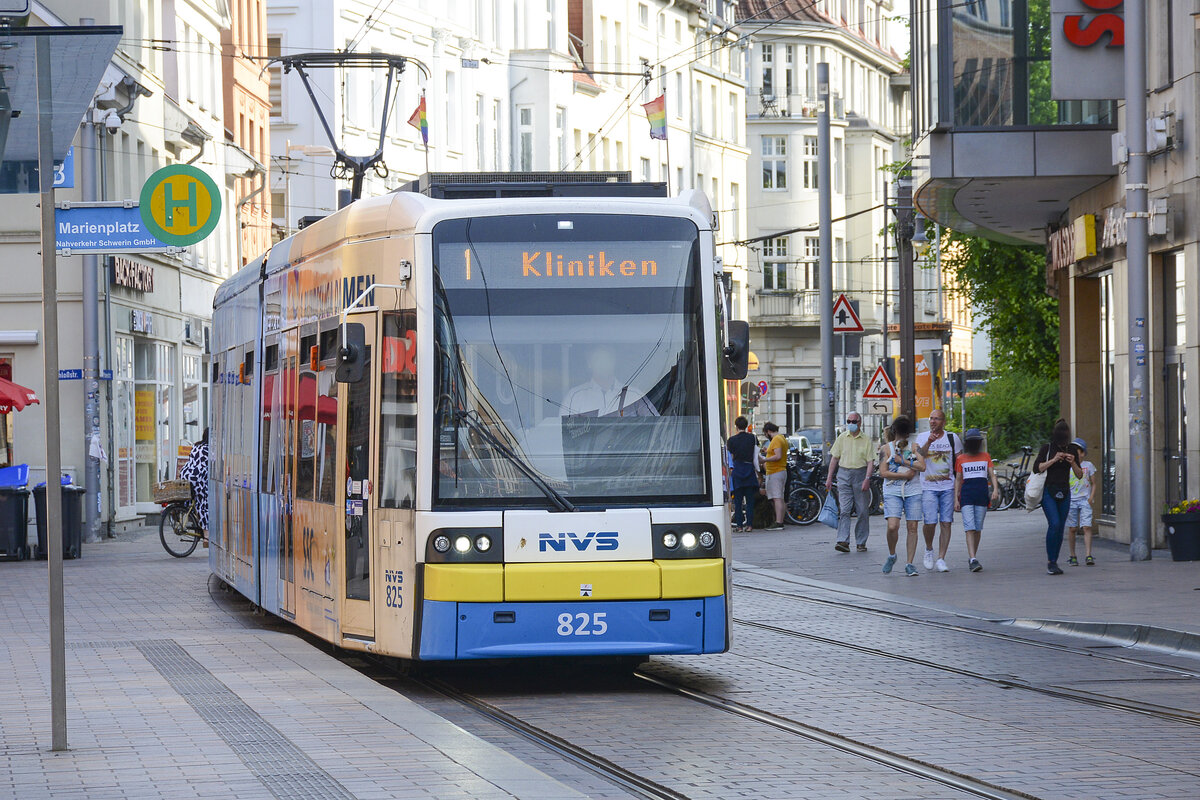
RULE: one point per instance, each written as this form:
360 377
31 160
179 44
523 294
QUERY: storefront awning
14 396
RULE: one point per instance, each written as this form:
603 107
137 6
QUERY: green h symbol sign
188 203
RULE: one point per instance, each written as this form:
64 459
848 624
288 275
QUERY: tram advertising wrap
525 420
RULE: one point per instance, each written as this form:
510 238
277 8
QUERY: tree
1006 285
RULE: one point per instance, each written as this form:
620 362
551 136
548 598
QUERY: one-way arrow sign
844 318
880 387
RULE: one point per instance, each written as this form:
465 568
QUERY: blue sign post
103 229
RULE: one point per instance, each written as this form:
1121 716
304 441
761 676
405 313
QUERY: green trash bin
72 519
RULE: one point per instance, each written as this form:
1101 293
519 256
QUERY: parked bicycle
178 529
804 494
1012 483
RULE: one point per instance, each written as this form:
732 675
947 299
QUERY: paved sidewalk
169 695
1014 584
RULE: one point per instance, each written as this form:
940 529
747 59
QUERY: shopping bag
829 511
1033 490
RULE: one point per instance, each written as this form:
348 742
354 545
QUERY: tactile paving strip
284 769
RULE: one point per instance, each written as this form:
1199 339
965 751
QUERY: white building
158 104
869 116
519 85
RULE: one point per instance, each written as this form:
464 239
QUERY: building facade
159 103
247 111
1007 159
868 113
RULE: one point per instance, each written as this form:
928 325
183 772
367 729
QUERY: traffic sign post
845 318
180 205
880 387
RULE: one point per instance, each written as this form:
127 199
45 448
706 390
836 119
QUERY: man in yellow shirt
852 462
775 465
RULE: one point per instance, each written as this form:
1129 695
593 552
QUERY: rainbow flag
656 112
419 121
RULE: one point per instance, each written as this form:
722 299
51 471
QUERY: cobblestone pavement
177 690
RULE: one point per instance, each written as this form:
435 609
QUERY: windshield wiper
529 472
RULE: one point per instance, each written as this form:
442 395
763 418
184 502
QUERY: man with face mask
852 462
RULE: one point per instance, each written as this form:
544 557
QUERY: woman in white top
900 464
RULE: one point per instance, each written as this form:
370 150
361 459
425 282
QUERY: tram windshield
568 353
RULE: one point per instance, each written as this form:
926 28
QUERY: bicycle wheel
1008 494
173 531
803 505
876 498
998 503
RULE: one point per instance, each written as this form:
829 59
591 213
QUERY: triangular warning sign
845 320
880 387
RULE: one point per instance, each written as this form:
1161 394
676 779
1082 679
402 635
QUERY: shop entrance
1175 377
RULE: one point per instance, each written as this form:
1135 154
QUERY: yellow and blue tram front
575 505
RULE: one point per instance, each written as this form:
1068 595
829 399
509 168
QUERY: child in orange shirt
972 474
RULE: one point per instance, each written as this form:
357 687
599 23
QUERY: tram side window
326 435
398 411
218 413
271 385
307 417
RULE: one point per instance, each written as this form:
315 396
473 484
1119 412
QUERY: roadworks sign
880 387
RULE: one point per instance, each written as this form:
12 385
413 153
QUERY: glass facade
986 64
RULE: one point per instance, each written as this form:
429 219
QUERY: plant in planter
1183 530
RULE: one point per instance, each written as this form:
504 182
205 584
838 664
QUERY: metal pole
904 233
887 268
825 245
54 539
1137 257
91 345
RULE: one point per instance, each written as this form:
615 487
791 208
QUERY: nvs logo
605 540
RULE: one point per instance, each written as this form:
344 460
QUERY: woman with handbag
1057 460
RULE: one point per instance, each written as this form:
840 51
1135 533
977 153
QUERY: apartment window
714 112
768 69
679 95
810 268
479 132
645 164
810 72
452 132
716 191
699 184
662 27
809 162
862 15
735 208
578 148
794 408
735 119
620 164
643 15
789 67
274 50
525 138
560 136
774 162
714 54
736 54
679 179
698 101
495 134
679 31
775 263
551 26
839 165
618 54
603 63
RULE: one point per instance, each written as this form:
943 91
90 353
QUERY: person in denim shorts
973 474
940 448
900 464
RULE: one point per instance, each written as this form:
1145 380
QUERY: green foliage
1042 110
1007 287
1015 409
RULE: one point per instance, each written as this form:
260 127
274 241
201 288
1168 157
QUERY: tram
482 424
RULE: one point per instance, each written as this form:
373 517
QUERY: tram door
356 403
287 547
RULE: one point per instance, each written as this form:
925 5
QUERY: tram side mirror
351 354
735 361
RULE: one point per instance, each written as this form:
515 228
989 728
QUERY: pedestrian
1058 461
742 447
899 465
973 474
853 463
1083 497
195 472
939 448
775 466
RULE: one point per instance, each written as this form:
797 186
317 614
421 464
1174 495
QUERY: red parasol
14 396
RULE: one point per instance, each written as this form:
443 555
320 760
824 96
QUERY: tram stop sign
180 205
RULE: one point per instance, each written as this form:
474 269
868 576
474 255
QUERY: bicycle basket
172 492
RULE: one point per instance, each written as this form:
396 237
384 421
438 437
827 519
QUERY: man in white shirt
939 448
603 395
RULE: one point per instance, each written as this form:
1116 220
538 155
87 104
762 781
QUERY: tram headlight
441 543
670 540
483 543
462 544
707 539
688 540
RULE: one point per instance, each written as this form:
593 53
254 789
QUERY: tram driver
603 395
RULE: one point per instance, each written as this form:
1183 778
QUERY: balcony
790 106
785 307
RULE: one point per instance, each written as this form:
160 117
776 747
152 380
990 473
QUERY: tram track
878 755
948 626
1086 698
